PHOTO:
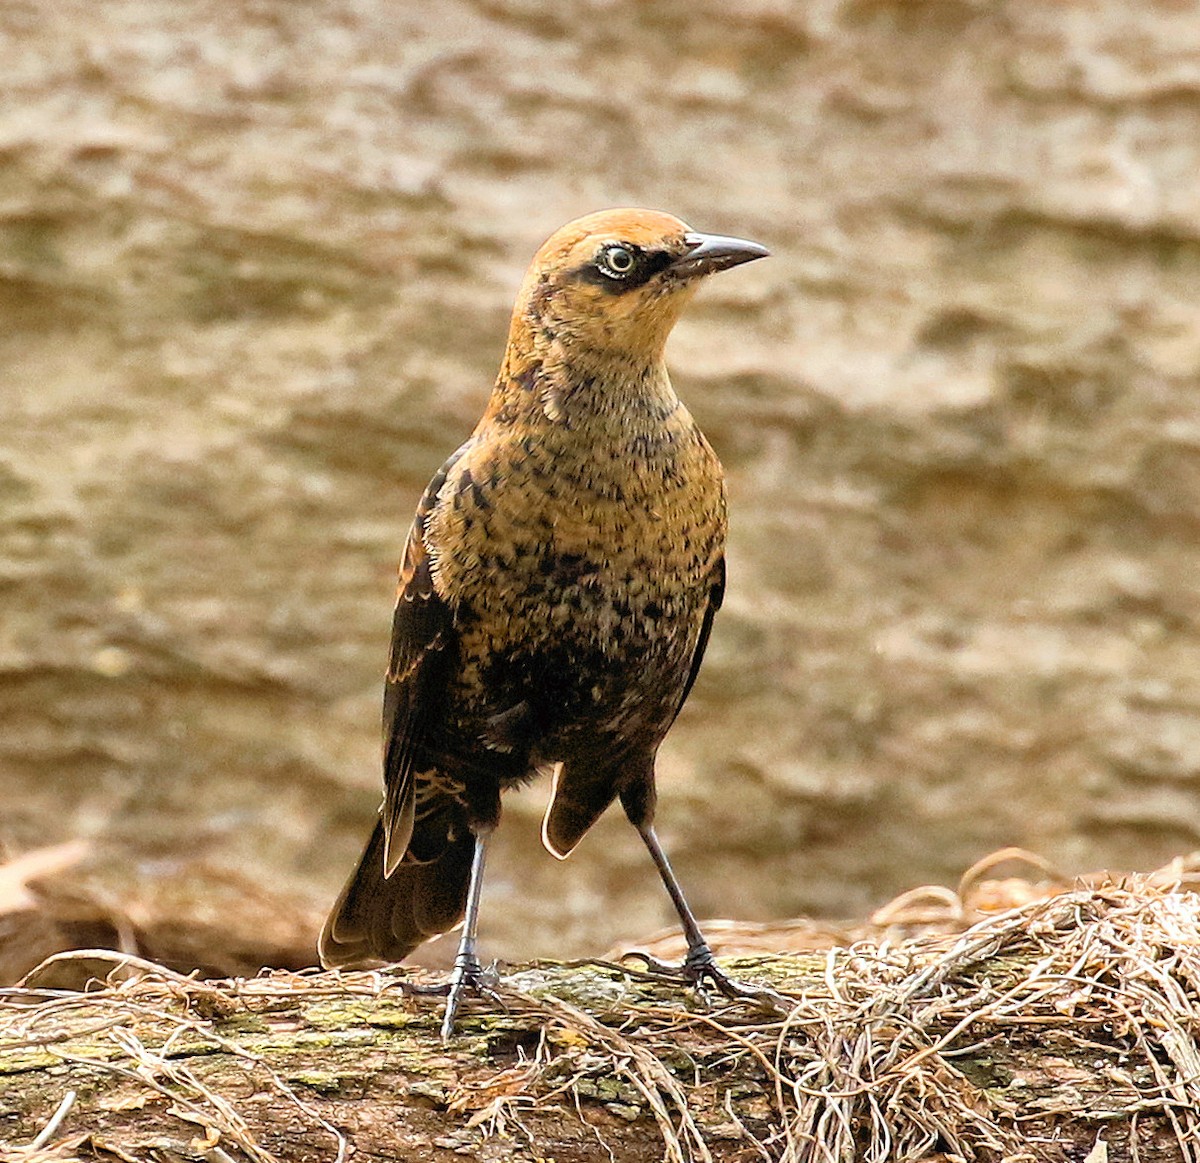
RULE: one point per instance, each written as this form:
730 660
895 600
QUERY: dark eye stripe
646 264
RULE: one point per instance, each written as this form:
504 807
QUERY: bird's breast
559 530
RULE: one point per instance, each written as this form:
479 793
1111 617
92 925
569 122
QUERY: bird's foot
700 969
467 976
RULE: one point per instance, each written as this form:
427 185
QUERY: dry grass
867 1064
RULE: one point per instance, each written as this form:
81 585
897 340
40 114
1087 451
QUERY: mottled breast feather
560 560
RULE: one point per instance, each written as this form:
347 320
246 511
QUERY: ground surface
1063 1032
255 267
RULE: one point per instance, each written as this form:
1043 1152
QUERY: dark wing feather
423 652
716 596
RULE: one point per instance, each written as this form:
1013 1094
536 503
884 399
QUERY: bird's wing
423 650
716 595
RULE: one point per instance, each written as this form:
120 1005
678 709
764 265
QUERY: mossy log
1064 1031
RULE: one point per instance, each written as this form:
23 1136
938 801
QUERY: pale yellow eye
616 261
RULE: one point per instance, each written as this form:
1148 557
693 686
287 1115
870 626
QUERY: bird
555 597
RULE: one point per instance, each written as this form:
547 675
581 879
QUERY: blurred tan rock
255 268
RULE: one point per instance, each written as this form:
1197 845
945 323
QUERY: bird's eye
617 261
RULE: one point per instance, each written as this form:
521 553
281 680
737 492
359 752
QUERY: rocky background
256 262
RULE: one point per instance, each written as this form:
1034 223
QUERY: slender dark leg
700 965
467 973
698 950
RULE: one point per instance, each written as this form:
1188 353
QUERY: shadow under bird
555 597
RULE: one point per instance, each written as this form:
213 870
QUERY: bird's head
615 282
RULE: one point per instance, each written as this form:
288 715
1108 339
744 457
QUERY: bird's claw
423 988
699 968
467 976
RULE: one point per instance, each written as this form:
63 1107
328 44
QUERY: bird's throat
604 392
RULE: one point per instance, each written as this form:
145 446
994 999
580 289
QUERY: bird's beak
715 252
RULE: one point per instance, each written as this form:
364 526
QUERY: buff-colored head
617 280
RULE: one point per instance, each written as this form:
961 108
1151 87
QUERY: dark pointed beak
715 252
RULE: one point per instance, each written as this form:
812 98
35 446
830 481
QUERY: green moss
20 1061
322 1081
608 1089
236 1025
985 1072
342 1014
436 1092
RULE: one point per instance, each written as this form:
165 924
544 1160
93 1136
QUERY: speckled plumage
557 587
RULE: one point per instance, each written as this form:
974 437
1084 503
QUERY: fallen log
1064 1030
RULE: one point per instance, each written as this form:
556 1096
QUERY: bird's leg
699 965
467 972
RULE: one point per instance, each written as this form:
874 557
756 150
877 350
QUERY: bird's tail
381 920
